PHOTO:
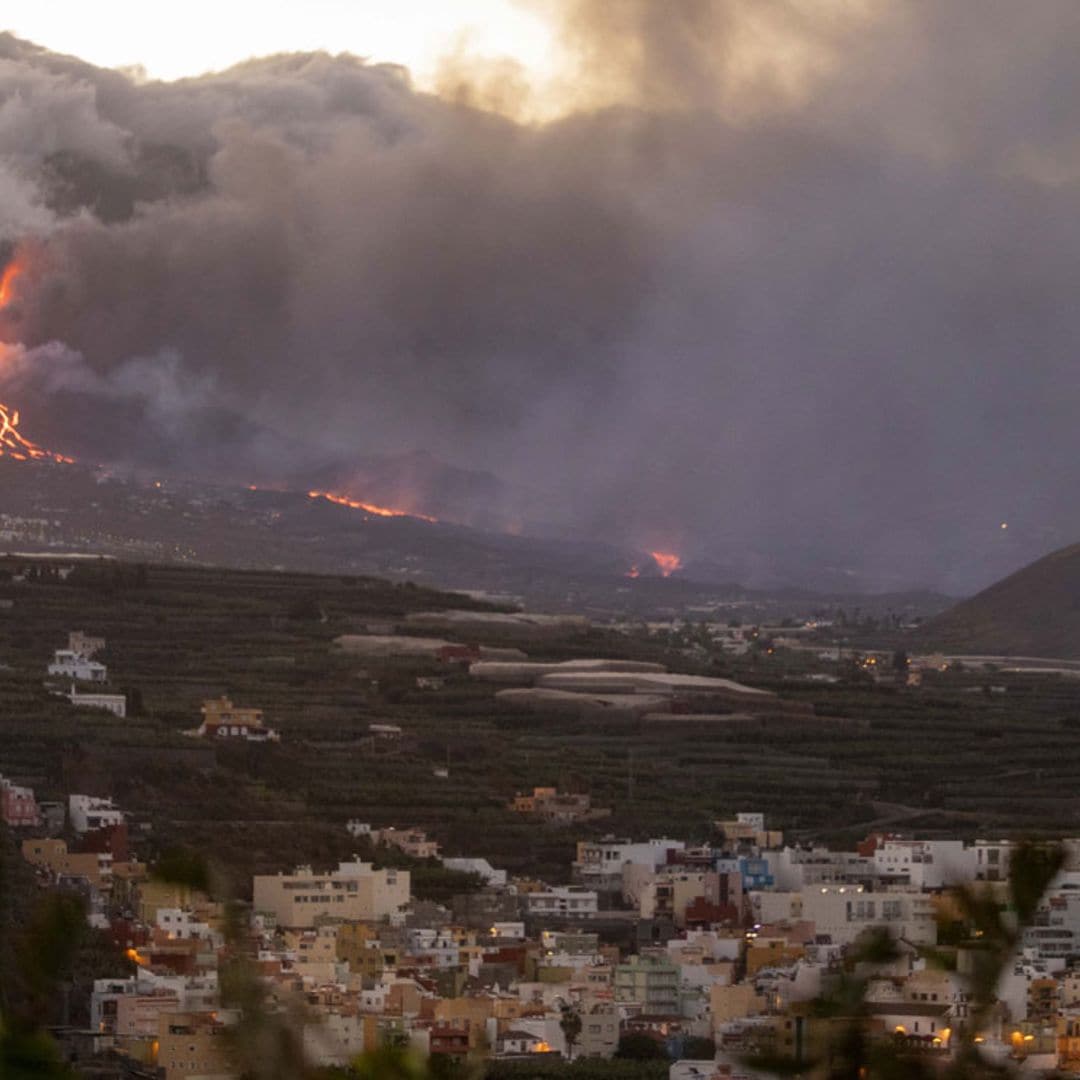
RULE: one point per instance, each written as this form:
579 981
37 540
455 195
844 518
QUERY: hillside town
706 955
703 953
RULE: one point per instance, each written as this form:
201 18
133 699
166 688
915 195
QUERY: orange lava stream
7 282
667 561
14 445
368 508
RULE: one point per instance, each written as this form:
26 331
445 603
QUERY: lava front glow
7 282
667 562
14 445
368 508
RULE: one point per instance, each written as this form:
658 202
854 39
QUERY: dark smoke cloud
789 287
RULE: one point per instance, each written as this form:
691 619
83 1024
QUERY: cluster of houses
76 666
725 946
87 679
91 853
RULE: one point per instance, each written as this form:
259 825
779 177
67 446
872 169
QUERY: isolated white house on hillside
73 665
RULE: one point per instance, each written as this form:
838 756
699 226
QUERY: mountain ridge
1034 611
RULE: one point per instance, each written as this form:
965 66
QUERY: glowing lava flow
667 562
14 445
7 283
368 508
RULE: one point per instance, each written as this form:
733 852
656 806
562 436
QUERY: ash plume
786 287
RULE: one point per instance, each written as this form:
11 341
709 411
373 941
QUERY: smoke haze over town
774 292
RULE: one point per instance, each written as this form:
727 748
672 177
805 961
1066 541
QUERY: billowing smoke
786 287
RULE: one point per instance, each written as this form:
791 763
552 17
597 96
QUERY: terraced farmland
947 758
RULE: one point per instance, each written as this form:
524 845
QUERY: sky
787 287
200 36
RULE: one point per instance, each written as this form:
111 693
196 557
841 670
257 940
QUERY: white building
155 991
72 665
843 912
574 900
439 948
793 868
88 813
924 864
599 863
181 925
991 860
114 703
492 877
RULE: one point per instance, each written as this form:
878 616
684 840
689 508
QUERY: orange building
223 720
53 855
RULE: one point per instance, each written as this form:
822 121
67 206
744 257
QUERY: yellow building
1068 1042
354 892
43 852
154 895
734 1002
223 720
221 710
471 1012
316 952
358 946
192 1044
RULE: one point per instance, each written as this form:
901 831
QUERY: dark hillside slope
1034 612
943 758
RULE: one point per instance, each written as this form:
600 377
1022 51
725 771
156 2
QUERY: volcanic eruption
13 443
667 562
368 508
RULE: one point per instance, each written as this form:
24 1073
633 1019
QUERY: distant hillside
71 507
1034 612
